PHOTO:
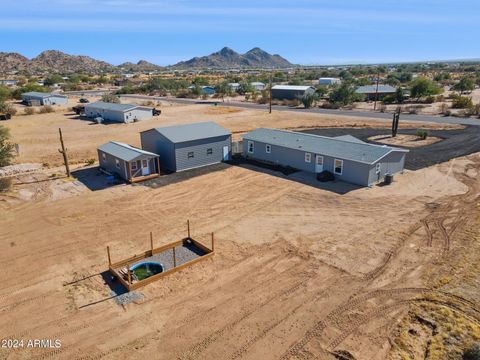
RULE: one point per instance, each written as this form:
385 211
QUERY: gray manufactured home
348 158
128 162
189 146
290 92
34 98
124 113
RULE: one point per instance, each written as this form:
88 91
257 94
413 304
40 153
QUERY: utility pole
64 153
376 92
270 97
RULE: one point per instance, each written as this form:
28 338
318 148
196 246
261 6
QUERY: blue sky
303 31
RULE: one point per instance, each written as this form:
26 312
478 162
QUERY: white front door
318 163
145 168
225 153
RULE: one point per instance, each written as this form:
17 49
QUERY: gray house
348 158
371 92
290 92
189 146
128 162
125 113
33 98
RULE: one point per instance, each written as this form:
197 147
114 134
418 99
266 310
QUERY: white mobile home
124 113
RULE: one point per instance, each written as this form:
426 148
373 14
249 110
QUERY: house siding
199 149
353 172
51 100
117 116
155 142
391 164
109 165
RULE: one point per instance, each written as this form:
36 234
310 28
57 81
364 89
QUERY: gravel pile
128 297
13 170
183 254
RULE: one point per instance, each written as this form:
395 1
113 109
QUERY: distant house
290 92
329 81
371 93
124 113
259 86
8 82
128 162
347 157
34 98
235 86
189 146
208 90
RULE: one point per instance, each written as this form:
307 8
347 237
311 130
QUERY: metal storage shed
189 146
348 158
290 92
128 162
33 98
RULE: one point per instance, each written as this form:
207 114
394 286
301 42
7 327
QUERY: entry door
145 168
225 153
318 163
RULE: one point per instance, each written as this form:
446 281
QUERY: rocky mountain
228 58
54 60
141 66
10 62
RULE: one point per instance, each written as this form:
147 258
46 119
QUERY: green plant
110 98
90 162
422 134
461 102
6 108
465 84
308 100
472 353
422 87
6 148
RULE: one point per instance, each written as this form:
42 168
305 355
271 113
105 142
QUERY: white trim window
319 160
209 151
133 165
308 157
377 168
251 147
190 155
338 167
117 163
268 148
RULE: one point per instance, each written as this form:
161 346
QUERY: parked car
156 112
5 117
83 101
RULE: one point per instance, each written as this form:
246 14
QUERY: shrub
461 102
422 134
110 98
90 162
5 184
46 109
429 100
472 353
29 111
308 100
6 108
389 99
413 109
6 148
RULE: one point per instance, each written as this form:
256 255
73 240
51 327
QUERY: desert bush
147 103
330 105
413 109
440 98
6 108
29 111
110 98
429 99
308 100
389 99
46 109
6 148
472 353
5 184
90 162
461 102
422 134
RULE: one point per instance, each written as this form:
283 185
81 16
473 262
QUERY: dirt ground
405 140
37 134
302 270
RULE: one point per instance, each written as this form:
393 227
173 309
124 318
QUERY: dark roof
372 89
190 132
123 151
111 106
335 147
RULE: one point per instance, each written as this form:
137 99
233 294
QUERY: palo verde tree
344 94
423 87
464 85
6 148
110 98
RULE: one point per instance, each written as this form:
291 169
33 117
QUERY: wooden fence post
129 275
109 259
188 228
213 243
174 258
151 241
